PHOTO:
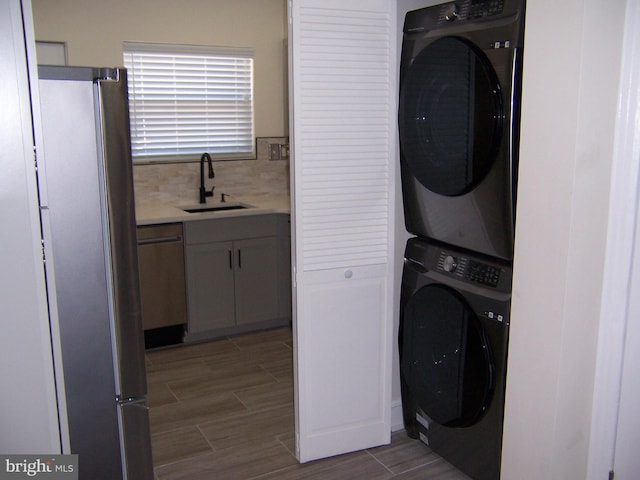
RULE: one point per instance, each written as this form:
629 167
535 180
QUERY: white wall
570 92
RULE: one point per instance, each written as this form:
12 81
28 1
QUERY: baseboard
217 333
396 415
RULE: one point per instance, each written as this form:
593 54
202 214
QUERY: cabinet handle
230 259
239 258
150 241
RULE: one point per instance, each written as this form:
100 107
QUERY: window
187 100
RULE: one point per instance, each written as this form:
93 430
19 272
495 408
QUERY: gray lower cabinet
237 274
211 286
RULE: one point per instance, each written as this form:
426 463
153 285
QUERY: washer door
446 360
450 116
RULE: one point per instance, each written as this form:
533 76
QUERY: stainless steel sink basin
215 208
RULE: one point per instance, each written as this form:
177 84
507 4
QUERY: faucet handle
204 193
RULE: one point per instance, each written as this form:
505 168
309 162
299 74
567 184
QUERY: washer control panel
471 270
485 8
439 261
483 273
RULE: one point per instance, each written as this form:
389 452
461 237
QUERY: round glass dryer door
450 116
446 361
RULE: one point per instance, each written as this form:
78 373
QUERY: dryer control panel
452 13
485 8
470 10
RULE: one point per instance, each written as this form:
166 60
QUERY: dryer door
450 116
446 360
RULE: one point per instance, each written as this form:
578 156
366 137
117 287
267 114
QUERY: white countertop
156 213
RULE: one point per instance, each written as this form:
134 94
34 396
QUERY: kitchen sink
215 208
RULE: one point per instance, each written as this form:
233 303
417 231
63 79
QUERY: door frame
618 290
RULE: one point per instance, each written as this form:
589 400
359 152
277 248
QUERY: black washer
453 342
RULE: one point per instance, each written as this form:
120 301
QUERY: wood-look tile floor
224 410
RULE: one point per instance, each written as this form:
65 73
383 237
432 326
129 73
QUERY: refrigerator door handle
107 74
123 248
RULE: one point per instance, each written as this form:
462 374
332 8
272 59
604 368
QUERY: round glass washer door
446 360
450 116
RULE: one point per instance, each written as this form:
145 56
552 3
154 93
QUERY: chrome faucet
203 192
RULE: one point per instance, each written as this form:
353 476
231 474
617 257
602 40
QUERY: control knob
452 12
450 264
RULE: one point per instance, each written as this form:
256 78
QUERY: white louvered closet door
343 110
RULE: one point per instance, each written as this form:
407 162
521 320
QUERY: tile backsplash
178 183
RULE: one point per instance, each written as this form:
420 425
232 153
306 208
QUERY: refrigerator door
94 269
137 449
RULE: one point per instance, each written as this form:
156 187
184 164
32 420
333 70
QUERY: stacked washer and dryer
460 82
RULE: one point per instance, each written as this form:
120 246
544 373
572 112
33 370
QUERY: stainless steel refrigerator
88 216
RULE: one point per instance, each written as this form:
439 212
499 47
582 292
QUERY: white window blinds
187 100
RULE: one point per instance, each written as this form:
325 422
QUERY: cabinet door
210 287
256 275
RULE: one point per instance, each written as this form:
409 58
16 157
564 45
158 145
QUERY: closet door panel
342 97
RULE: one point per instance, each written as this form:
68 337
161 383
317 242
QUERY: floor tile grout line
263 475
174 462
200 356
240 400
285 446
380 462
173 394
199 428
269 373
422 465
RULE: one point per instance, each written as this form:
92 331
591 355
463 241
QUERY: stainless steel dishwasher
162 283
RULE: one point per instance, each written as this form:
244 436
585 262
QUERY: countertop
158 213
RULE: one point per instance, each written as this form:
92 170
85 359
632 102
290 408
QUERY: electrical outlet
284 151
274 151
